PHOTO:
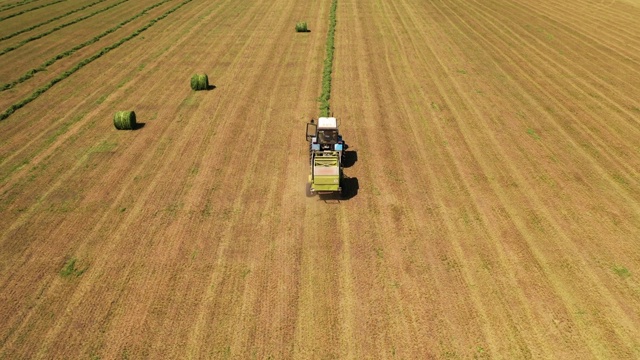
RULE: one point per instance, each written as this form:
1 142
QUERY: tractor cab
328 136
324 134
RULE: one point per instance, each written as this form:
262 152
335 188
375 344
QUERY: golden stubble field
498 208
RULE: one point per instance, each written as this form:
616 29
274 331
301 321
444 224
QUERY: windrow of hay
57 27
32 9
8 112
328 62
200 82
11 6
29 74
125 120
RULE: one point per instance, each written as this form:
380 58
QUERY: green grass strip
16 4
50 21
328 62
31 73
33 8
84 62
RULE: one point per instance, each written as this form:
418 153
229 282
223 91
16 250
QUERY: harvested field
498 168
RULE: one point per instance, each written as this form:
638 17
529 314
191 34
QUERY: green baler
325 155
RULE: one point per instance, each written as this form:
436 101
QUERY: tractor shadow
350 188
350 157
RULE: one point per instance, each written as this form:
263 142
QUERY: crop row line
31 9
85 62
45 23
31 73
328 62
16 4
36 37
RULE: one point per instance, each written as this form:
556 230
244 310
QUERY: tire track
596 15
610 156
597 44
408 338
540 74
293 201
215 283
556 228
505 320
147 307
257 294
595 81
426 61
475 309
106 216
451 227
271 304
523 72
585 72
381 318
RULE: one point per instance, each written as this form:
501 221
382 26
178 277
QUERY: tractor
325 157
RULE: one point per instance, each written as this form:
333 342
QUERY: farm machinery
326 152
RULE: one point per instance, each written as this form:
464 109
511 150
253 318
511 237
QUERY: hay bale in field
200 82
301 27
125 120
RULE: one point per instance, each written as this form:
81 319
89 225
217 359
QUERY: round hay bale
125 120
200 82
301 27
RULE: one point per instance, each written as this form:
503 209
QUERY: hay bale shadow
210 87
138 126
